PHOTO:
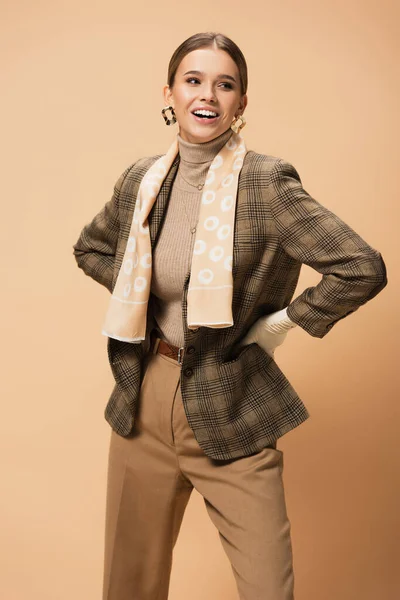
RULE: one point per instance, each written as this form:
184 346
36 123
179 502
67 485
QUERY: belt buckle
180 354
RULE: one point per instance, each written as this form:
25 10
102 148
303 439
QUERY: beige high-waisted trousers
151 474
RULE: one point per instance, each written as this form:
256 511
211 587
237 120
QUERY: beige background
81 99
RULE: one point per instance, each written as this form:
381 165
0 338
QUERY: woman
202 249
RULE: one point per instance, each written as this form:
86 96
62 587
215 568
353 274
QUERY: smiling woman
208 81
201 248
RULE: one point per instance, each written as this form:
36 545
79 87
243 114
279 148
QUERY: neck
204 152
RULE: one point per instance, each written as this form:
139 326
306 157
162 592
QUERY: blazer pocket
237 352
248 237
243 234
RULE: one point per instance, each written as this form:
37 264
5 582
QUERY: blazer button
188 372
191 350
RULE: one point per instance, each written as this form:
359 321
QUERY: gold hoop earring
172 120
235 127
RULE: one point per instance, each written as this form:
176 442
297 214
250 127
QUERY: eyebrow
221 75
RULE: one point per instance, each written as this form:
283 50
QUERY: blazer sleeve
352 271
96 246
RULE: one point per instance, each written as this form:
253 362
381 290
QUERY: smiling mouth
205 118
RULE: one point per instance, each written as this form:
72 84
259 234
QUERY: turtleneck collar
202 152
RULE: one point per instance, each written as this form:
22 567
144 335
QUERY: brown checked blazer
237 399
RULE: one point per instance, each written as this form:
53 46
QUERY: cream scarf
209 300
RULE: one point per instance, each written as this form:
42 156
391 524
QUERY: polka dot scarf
209 299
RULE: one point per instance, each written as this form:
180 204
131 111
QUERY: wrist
279 322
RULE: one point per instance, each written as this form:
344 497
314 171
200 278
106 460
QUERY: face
214 86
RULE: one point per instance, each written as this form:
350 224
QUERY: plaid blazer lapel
157 213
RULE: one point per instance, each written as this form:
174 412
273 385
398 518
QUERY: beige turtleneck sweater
174 248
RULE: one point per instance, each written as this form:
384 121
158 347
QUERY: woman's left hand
267 340
269 331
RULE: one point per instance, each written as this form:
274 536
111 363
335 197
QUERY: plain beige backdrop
81 94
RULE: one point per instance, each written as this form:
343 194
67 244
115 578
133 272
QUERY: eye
229 85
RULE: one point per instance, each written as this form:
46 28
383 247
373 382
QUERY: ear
167 95
243 103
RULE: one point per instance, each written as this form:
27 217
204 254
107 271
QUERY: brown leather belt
157 345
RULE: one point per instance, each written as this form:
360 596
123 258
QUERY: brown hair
206 40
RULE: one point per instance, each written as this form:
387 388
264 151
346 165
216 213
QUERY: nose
207 93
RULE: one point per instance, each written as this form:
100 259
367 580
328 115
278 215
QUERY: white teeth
205 112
